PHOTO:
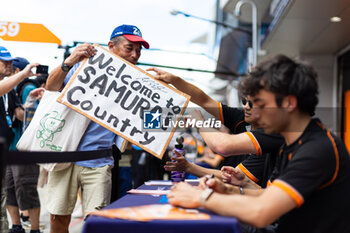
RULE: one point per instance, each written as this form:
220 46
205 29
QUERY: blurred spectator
10 108
145 166
21 180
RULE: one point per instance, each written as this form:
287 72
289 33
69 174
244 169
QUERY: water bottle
142 159
177 176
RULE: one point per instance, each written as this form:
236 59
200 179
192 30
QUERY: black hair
20 87
14 68
283 76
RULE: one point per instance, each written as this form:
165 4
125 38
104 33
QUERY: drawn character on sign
50 125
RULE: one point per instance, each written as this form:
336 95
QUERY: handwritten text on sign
114 93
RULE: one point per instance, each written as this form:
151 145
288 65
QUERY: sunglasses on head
245 101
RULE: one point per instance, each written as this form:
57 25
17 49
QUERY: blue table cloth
216 223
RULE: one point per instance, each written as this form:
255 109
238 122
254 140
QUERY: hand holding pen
210 182
203 183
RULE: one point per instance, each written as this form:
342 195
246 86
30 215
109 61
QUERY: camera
42 69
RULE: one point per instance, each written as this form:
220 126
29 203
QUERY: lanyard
6 105
5 98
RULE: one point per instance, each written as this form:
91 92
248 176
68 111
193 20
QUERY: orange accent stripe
234 130
219 157
269 183
295 195
247 173
336 161
220 113
321 125
290 156
255 142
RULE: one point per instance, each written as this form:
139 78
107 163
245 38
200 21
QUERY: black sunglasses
245 101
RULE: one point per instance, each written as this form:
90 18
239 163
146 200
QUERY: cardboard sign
125 100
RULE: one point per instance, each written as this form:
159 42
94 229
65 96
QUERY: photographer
21 180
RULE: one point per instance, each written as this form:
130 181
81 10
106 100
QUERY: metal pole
254 26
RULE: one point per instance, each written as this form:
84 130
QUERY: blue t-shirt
95 138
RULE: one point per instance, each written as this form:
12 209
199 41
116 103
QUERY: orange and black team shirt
233 119
315 172
259 167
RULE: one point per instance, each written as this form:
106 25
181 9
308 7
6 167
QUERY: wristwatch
65 67
205 196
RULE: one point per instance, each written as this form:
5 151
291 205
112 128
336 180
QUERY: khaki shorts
62 189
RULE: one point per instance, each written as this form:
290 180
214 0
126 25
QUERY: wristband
205 196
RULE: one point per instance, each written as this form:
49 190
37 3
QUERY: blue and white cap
131 33
5 55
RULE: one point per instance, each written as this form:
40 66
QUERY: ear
290 103
110 45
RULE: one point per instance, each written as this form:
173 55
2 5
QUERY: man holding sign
93 176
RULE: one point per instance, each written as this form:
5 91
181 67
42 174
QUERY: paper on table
159 182
150 212
149 192
168 182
